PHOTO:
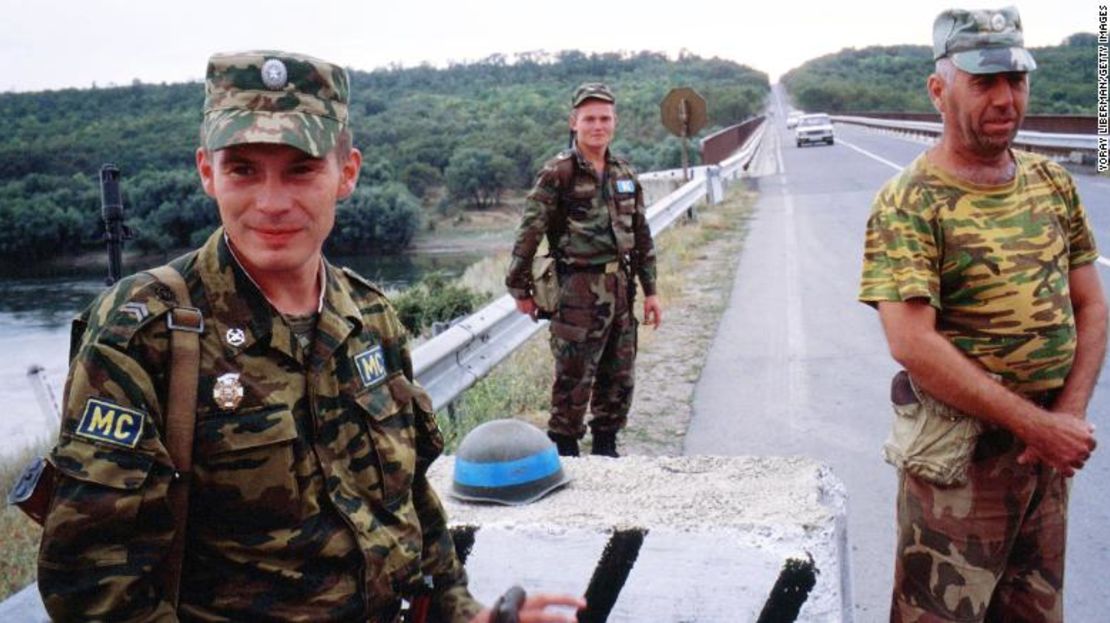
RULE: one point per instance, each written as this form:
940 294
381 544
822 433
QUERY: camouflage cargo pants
593 339
990 550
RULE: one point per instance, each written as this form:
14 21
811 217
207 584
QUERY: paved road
799 367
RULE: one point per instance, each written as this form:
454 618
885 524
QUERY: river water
35 314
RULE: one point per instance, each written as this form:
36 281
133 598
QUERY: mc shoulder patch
108 422
371 366
626 187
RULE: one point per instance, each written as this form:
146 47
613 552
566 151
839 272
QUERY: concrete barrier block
668 539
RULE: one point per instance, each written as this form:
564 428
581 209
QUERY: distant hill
418 128
892 78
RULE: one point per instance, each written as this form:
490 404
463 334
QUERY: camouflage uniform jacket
309 499
588 221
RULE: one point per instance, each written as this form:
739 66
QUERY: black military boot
567 445
605 444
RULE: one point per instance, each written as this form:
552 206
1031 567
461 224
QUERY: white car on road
815 128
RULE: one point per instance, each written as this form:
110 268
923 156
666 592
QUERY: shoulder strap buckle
185 319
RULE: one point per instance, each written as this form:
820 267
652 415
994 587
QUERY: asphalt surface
799 367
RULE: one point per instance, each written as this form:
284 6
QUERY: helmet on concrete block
506 462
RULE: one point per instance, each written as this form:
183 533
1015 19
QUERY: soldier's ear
573 120
935 86
348 174
205 162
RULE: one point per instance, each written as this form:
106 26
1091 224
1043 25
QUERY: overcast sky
49 44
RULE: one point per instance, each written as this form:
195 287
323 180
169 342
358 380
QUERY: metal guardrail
724 143
1052 124
1043 141
451 362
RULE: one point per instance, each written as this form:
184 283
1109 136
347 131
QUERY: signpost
684 113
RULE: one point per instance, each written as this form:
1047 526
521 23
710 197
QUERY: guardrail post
715 191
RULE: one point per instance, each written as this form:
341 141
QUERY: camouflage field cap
982 42
274 97
592 91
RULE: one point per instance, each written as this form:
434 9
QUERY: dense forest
892 79
432 139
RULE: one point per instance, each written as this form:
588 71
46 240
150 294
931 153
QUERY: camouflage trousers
593 339
991 550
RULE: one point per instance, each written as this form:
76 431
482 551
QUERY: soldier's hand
536 609
1060 441
653 311
527 307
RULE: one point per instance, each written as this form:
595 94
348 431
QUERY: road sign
683 111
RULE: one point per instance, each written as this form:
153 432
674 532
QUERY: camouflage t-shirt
993 261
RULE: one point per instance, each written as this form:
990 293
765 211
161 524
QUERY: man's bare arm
1089 303
941 369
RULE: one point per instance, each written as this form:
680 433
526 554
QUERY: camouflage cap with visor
592 91
274 97
983 41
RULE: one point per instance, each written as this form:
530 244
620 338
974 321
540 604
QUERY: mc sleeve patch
108 422
371 366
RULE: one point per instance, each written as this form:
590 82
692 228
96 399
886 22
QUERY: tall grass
19 535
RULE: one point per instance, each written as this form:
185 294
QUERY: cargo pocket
95 509
246 455
390 417
428 442
929 439
568 332
622 228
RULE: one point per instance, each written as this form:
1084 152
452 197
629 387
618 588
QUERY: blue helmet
506 462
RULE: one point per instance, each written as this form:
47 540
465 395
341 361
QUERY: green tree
376 219
478 176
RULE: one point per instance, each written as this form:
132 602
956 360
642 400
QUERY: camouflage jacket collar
242 315
584 164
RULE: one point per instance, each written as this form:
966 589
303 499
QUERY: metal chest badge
235 337
228 391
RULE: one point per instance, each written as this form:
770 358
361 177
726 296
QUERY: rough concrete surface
718 531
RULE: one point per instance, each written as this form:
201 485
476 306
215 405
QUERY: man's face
982 112
594 123
277 203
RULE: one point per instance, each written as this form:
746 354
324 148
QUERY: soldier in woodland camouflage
309 499
589 205
980 261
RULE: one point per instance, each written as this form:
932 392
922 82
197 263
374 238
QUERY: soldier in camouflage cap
982 42
274 97
309 498
980 261
589 206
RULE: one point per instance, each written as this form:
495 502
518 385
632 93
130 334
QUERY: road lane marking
778 153
896 167
796 384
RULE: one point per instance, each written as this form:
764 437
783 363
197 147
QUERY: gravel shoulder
695 294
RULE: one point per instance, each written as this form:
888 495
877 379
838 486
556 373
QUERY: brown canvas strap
186 323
